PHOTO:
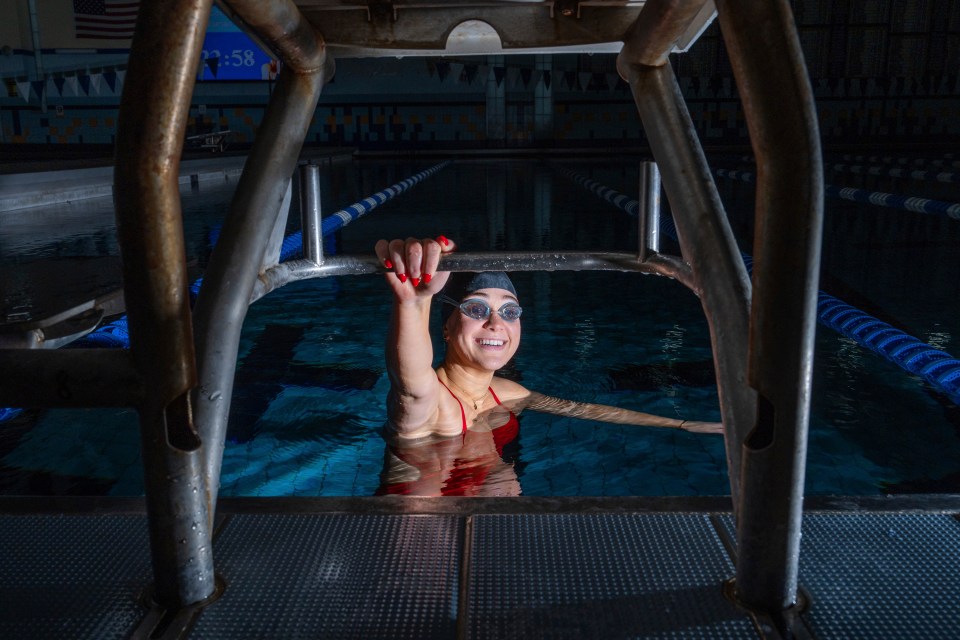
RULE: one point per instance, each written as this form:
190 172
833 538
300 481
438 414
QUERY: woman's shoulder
508 390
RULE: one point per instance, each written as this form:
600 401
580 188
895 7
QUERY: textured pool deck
478 568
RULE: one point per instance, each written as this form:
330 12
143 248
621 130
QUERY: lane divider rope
914 356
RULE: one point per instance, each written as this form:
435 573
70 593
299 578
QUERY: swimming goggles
479 310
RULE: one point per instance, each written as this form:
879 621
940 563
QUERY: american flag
105 19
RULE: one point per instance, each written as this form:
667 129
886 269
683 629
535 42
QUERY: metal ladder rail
706 240
180 440
768 412
787 246
157 374
254 214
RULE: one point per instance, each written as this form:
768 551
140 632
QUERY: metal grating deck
600 576
475 568
335 576
70 576
882 575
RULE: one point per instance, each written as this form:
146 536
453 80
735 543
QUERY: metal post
152 124
778 102
706 241
649 226
237 258
310 213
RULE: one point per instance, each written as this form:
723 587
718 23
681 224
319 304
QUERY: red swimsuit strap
494 395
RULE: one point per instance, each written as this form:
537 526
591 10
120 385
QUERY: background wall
886 74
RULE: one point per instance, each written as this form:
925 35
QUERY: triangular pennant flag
470 73
498 73
456 68
715 84
546 79
834 85
84 83
110 77
570 77
943 89
584 77
95 82
54 86
513 77
23 88
431 67
443 70
38 86
526 74
612 80
121 76
72 85
213 64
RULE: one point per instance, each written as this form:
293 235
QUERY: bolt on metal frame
762 347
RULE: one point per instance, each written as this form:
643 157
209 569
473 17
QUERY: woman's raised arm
409 351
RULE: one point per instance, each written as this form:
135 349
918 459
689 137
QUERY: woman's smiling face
489 343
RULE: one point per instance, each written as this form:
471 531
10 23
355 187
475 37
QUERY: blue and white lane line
937 367
896 172
890 200
293 243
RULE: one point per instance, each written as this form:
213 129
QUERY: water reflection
479 462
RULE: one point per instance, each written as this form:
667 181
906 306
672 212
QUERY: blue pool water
309 398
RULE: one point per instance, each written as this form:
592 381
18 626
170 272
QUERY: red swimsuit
463 479
503 434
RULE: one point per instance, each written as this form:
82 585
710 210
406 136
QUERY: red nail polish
388 264
443 240
415 281
402 276
427 278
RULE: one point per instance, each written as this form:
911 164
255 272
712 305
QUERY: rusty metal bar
238 257
280 26
706 241
69 378
656 31
778 102
152 123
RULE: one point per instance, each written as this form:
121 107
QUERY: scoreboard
230 54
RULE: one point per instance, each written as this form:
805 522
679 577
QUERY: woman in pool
463 397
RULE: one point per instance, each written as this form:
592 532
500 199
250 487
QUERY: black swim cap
463 283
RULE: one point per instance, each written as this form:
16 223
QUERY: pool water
308 406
